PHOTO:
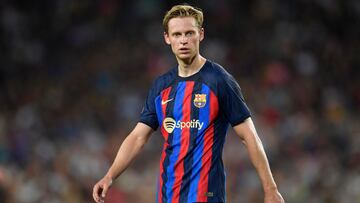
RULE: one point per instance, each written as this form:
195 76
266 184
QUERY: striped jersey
193 114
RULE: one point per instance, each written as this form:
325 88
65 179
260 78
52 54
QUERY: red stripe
164 96
207 153
185 136
161 172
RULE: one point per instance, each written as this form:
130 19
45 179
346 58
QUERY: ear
166 38
202 34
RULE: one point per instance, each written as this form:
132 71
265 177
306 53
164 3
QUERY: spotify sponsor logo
170 124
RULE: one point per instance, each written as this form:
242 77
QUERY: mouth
184 50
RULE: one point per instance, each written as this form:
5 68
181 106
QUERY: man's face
184 37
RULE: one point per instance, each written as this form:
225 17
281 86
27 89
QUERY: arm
247 132
128 150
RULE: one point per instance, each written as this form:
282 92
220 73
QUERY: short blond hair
183 11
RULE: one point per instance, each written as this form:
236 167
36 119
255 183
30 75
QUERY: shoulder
217 73
163 81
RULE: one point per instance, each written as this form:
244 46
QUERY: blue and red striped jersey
193 114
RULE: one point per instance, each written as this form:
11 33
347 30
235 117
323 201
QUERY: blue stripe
204 114
176 143
159 110
160 120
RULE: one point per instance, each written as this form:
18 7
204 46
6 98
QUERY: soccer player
193 104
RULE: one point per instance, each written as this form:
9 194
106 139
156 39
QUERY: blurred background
74 75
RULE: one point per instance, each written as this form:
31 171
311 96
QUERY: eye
189 34
176 34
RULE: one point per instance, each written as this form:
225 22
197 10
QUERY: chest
186 104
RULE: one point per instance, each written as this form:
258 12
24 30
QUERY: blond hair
183 11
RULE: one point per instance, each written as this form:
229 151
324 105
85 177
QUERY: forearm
248 134
259 160
127 152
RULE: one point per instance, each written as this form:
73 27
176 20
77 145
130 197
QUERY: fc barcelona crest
200 100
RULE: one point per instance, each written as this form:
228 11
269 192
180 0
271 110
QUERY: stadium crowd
74 76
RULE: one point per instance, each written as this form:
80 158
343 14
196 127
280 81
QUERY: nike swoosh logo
166 101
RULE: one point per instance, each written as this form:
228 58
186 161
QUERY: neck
191 66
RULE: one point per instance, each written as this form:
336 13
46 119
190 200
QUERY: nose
183 39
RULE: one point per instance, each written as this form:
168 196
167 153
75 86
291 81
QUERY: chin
185 56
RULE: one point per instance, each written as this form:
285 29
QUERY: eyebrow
179 32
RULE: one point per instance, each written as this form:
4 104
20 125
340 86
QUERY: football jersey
193 114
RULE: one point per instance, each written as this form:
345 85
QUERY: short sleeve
148 114
232 101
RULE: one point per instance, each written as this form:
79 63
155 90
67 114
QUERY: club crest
200 100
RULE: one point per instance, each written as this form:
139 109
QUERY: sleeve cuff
240 120
151 125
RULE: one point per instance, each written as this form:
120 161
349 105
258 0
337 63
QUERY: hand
100 189
273 197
